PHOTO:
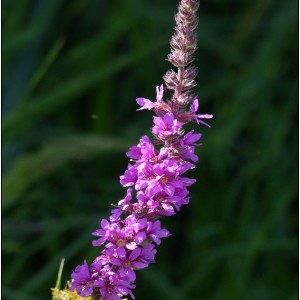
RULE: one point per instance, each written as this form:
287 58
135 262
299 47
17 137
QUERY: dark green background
71 73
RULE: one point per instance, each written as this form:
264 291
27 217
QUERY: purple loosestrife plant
155 180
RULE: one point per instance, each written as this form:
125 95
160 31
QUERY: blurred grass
71 73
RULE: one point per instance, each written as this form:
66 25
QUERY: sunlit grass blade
58 281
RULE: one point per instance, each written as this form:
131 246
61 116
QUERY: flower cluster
155 179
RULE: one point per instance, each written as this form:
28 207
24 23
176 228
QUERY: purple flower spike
155 181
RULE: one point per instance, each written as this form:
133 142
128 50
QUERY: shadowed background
71 73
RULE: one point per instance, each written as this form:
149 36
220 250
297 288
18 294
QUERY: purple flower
145 175
147 104
124 205
189 153
197 118
144 151
105 225
105 258
155 232
81 280
147 255
162 204
190 138
130 176
156 205
111 286
165 177
122 234
167 125
119 238
127 261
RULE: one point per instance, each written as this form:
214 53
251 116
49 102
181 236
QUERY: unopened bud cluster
183 45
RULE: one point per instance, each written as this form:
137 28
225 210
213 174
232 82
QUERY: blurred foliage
71 73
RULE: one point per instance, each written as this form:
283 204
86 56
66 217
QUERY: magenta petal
116 262
145 103
140 265
135 254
